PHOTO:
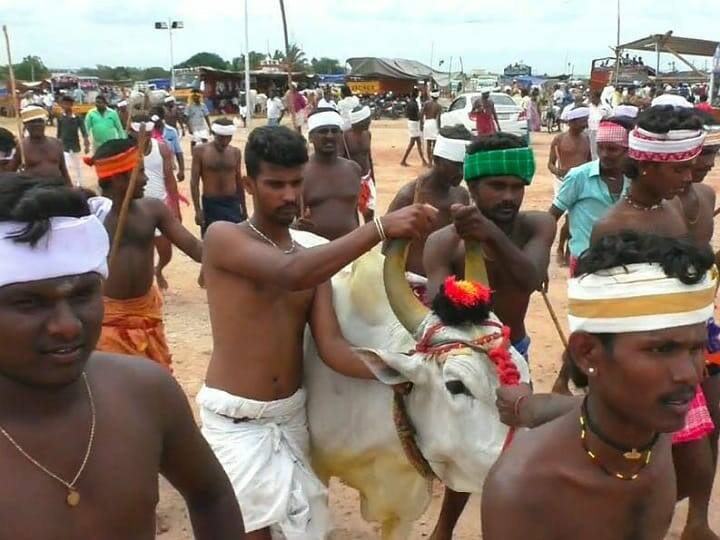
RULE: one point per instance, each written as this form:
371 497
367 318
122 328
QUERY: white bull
351 421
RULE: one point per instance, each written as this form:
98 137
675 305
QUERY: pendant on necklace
632 454
73 497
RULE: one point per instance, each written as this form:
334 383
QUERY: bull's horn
407 308
475 269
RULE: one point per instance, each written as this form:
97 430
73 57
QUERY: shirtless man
44 156
660 171
413 121
567 150
263 290
517 247
53 388
161 185
133 322
217 165
331 187
357 142
440 187
560 480
430 123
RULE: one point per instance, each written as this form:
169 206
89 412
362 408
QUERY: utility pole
248 102
170 25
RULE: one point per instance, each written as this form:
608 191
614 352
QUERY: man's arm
170 181
438 257
404 197
206 114
495 116
16 159
88 122
504 516
195 183
174 231
552 158
191 467
122 134
239 184
334 350
232 250
567 195
84 133
527 266
372 166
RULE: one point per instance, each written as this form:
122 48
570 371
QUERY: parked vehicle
510 115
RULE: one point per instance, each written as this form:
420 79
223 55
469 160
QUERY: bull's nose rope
506 369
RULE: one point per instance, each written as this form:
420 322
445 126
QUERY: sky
551 36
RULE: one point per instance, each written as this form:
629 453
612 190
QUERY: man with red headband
588 191
133 322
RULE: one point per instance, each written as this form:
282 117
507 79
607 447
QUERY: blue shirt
586 199
170 135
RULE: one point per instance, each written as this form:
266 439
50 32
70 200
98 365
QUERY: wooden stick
122 217
555 320
716 212
15 102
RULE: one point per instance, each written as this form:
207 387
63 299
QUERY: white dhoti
200 135
264 447
430 129
413 129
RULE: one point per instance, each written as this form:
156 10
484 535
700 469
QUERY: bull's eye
456 388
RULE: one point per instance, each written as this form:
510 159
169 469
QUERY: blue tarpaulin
331 79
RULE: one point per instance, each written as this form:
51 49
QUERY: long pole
248 102
617 46
172 57
16 105
122 216
288 63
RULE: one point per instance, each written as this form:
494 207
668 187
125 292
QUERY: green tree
256 58
155 73
31 69
296 58
327 66
205 59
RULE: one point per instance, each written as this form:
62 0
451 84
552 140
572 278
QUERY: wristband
380 229
516 405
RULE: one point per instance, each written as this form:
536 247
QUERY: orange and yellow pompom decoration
462 301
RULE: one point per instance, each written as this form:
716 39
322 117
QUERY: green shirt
104 127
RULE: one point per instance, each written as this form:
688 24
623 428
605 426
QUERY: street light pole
250 107
170 25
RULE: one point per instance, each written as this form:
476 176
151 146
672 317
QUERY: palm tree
295 57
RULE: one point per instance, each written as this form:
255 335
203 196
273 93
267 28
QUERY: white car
511 116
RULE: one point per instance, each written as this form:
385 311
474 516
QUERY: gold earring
591 370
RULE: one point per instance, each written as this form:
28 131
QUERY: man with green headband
516 244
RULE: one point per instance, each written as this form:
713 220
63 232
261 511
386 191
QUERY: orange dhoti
135 327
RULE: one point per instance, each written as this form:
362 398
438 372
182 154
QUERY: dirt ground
188 329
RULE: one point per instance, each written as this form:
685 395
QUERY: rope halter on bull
458 302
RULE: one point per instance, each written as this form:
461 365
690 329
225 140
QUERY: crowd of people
89 407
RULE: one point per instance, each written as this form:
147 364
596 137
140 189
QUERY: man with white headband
44 156
497 169
412 111
357 146
430 123
439 187
662 152
133 322
84 435
216 179
567 150
161 184
169 135
637 313
173 118
332 186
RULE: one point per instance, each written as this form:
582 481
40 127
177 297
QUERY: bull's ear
392 368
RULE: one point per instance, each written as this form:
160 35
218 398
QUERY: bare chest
219 162
39 153
328 184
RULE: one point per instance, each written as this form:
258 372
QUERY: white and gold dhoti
264 448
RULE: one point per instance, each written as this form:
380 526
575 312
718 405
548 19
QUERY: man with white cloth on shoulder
637 314
430 123
358 148
262 291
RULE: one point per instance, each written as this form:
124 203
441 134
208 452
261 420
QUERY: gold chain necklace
596 461
73 496
270 240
